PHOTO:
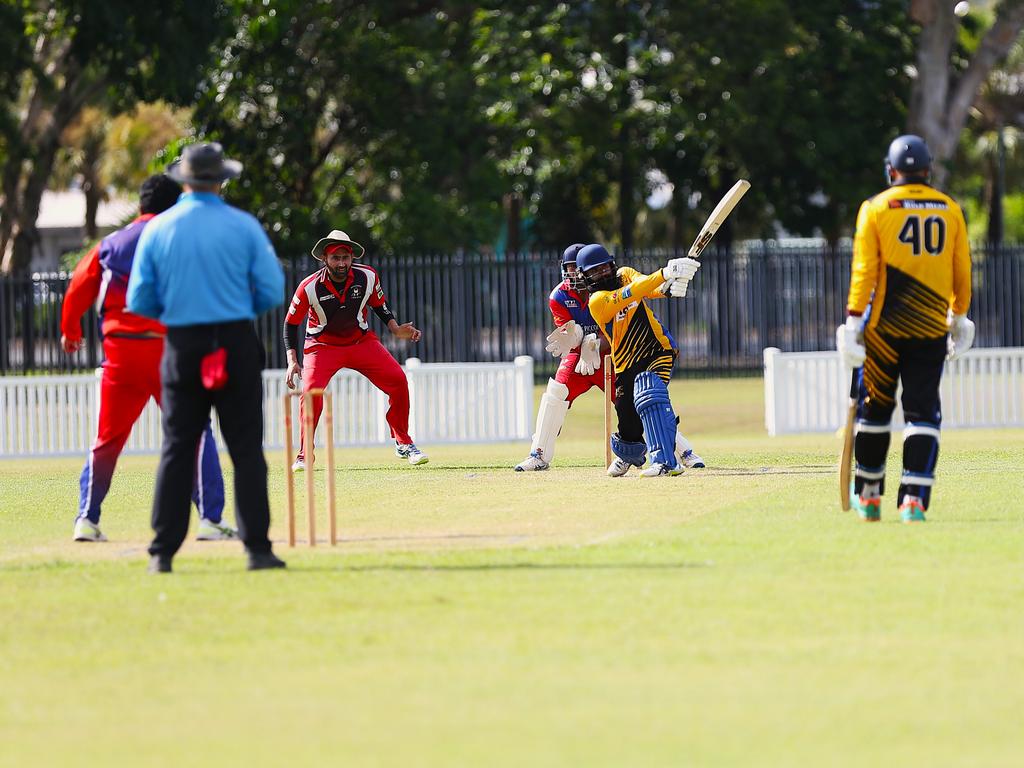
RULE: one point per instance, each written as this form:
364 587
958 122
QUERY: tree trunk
938 105
513 209
680 211
996 190
627 210
27 169
91 186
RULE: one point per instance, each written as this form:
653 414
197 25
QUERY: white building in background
61 225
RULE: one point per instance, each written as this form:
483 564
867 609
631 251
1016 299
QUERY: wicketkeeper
910 252
643 352
577 341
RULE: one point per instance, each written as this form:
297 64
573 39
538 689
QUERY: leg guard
920 452
651 398
870 448
634 453
554 405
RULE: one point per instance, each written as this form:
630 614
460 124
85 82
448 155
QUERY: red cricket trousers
577 383
369 357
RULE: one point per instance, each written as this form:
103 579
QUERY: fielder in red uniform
132 347
335 301
583 351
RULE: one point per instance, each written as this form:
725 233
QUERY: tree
74 53
948 79
101 151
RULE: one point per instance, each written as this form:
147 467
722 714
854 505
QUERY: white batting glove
590 355
564 339
849 344
680 269
961 336
675 289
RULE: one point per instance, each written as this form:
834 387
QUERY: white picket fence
810 391
451 403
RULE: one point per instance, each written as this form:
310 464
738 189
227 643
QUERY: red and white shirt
338 314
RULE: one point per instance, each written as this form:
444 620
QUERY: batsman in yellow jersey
911 264
643 352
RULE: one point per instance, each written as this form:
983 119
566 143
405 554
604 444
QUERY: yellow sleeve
866 257
961 269
604 305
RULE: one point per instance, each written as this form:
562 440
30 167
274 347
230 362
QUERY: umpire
206 270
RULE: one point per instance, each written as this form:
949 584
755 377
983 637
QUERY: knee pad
554 404
650 396
634 453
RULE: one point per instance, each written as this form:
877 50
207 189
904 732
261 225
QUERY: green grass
474 616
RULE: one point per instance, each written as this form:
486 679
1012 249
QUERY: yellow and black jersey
910 250
631 327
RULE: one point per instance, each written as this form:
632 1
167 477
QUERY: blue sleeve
143 297
266 278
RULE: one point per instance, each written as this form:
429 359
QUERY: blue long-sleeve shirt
204 261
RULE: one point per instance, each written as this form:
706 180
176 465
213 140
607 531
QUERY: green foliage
408 126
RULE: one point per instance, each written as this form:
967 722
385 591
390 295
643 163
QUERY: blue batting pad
634 453
650 395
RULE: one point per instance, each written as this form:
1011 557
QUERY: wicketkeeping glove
848 342
590 355
961 336
564 339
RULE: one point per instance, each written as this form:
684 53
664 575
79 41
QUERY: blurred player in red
132 348
334 302
576 340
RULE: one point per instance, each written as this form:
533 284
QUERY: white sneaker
691 460
532 463
414 455
661 470
299 466
85 530
618 468
211 531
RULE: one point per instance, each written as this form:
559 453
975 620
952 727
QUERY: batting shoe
299 465
691 460
618 468
912 510
532 463
657 469
410 452
211 531
868 507
86 530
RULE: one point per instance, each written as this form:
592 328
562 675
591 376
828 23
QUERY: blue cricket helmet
908 154
590 256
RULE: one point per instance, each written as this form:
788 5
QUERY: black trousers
918 364
631 428
186 407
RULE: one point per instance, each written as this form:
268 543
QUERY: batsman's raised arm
636 286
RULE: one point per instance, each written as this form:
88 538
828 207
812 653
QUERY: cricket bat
846 460
722 210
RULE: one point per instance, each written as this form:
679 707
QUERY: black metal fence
484 308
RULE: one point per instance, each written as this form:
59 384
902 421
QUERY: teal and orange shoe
868 507
912 510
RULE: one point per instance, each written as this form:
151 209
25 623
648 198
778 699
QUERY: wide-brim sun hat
337 237
204 164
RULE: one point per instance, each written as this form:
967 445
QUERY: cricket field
475 616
